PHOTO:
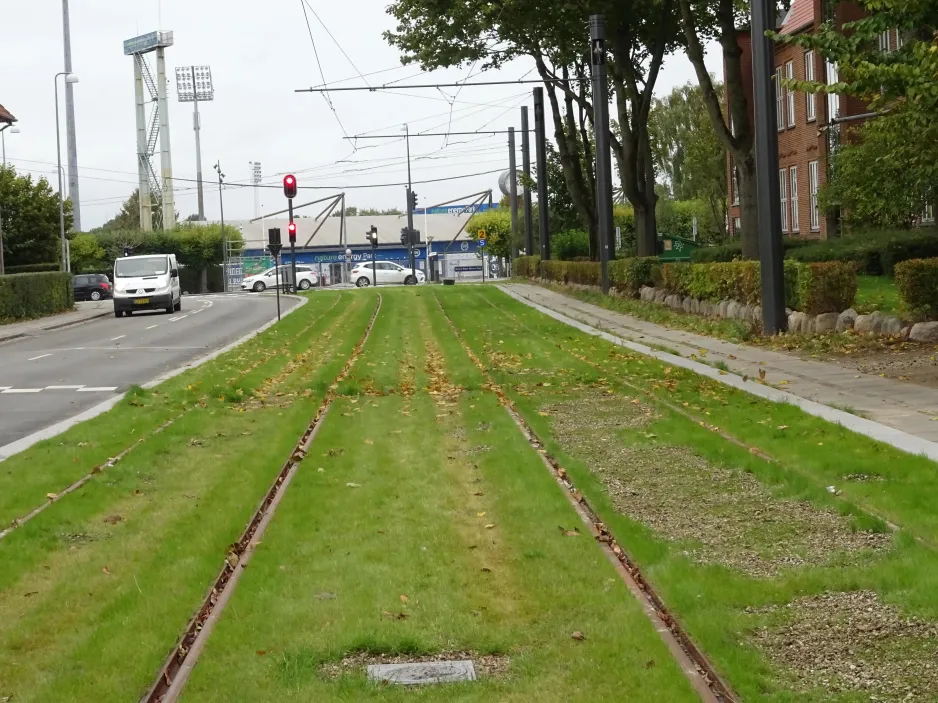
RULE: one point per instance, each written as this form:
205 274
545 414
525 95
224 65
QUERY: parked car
91 286
146 283
387 273
306 278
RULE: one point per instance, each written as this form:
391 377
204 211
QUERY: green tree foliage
352 211
86 253
570 244
889 173
676 217
129 216
688 153
30 212
497 227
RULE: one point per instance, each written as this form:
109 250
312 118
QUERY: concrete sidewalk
83 312
896 404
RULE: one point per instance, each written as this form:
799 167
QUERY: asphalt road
60 373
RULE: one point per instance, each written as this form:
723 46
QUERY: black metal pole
526 167
483 264
374 264
410 210
540 146
513 193
292 245
603 154
768 204
277 281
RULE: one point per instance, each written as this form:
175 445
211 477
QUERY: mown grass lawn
877 293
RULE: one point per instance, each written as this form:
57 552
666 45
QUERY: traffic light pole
540 148
603 165
374 264
292 245
274 246
410 208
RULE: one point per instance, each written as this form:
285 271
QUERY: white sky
259 54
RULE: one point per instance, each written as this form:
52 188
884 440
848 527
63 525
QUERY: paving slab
415 673
897 404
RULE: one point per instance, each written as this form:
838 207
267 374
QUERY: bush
27 295
865 254
709 255
737 280
676 218
917 280
581 272
829 286
623 217
32 268
570 245
629 275
527 266
919 244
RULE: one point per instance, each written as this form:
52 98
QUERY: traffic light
372 236
289 186
412 201
291 230
405 238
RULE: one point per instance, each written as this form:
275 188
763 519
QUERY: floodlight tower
194 83
156 193
256 180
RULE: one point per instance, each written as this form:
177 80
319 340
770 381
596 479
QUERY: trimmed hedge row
31 268
812 288
917 280
28 295
875 253
527 266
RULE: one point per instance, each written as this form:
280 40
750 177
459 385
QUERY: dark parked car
92 286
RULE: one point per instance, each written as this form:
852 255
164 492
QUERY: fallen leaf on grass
261 652
490 526
782 427
569 533
105 571
52 496
486 569
25 595
368 441
113 519
480 514
325 595
761 374
395 616
404 599
353 485
480 493
578 636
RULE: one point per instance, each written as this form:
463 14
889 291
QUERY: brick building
809 125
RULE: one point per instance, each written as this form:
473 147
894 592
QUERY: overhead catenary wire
319 65
414 86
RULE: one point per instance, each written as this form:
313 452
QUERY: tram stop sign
482 237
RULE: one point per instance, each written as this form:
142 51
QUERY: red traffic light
291 230
289 185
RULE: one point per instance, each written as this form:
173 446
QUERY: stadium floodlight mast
194 85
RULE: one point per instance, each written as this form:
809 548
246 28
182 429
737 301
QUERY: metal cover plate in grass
415 673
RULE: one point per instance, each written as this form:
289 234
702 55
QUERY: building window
783 196
737 225
833 100
929 214
779 100
793 197
790 101
809 104
899 41
812 191
884 41
734 185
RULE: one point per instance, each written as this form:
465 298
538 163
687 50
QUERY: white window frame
737 225
899 41
734 183
884 41
929 214
793 197
790 97
810 105
783 196
779 100
813 186
833 99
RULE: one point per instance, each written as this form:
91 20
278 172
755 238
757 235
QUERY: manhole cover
423 672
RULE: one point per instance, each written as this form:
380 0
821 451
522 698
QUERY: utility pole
540 145
526 167
71 143
1 241
767 177
410 208
224 235
513 192
603 155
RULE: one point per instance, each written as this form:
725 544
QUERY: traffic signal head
413 200
405 238
372 236
289 185
291 230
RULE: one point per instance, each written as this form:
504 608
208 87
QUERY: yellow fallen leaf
480 514
490 526
782 427
368 441
404 599
51 496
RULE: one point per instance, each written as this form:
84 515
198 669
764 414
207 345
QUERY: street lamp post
13 130
348 265
224 235
69 78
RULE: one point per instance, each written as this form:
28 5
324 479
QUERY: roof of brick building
6 116
799 16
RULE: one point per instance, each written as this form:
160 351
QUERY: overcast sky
260 52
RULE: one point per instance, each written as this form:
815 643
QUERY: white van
146 283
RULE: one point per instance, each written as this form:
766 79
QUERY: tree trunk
748 215
646 234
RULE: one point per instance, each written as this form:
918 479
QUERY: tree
722 20
352 211
687 151
436 33
30 212
86 253
128 218
900 83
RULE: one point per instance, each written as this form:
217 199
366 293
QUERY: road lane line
98 389
121 336
21 390
41 356
63 388
152 326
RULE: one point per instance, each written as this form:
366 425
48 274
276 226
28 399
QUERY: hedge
527 266
917 280
829 286
32 268
582 272
27 295
629 275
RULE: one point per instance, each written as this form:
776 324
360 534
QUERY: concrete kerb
874 430
54 430
59 326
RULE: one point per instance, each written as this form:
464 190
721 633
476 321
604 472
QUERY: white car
387 273
306 278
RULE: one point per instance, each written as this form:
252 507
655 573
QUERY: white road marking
100 389
63 388
178 318
152 326
121 336
41 356
196 312
21 390
5 388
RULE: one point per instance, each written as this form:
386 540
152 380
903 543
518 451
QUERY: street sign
482 235
482 242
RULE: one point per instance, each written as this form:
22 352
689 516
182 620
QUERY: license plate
141 301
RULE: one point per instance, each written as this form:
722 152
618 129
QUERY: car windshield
137 268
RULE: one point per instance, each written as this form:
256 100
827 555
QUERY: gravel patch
845 643
720 515
486 665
